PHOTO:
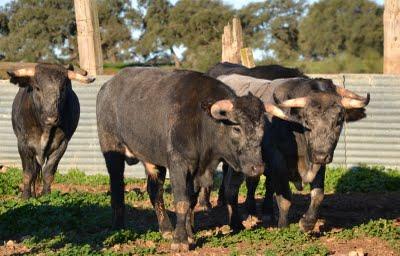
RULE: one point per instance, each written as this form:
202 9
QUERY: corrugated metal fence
373 141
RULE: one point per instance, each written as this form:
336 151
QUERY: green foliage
9 181
37 28
387 230
335 26
363 179
289 241
45 30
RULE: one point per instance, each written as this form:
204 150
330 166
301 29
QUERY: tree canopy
153 30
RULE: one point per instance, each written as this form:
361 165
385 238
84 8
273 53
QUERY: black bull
184 121
293 151
45 114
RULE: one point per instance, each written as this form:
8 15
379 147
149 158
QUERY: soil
338 211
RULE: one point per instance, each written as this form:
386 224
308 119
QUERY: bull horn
294 103
349 103
275 111
220 108
22 72
347 93
75 69
80 78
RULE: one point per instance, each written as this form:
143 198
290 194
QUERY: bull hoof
237 226
179 247
306 224
167 235
282 223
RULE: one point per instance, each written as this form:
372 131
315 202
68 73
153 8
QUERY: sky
235 3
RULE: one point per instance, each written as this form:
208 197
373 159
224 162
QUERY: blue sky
235 3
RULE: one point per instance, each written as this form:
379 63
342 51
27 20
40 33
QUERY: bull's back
152 111
132 107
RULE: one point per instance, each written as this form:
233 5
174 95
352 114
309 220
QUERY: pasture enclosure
373 141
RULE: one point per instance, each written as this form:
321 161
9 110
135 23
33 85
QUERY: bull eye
237 130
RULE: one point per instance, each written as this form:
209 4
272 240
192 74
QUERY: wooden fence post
391 45
89 43
247 58
232 46
232 42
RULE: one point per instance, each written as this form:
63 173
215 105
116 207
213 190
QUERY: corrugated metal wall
373 141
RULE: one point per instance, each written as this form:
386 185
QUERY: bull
294 151
184 121
45 114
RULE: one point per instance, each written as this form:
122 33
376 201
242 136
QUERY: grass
78 223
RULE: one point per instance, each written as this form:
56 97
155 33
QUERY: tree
37 30
335 26
116 19
198 25
273 25
45 30
156 37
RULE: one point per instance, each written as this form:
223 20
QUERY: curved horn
78 77
347 93
75 69
22 72
294 103
276 111
220 107
349 103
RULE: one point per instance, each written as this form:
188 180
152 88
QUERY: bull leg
115 167
221 192
283 199
307 222
51 167
155 188
232 182
30 171
190 217
179 182
251 184
268 203
204 198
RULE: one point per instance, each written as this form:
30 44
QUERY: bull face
322 118
242 122
322 113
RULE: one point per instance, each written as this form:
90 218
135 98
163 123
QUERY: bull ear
222 110
355 114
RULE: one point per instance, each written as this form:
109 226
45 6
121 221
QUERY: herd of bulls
267 120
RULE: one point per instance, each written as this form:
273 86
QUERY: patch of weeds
136 196
367 179
78 177
120 237
382 228
9 181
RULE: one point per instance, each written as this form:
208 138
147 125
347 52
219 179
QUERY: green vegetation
78 223
325 37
